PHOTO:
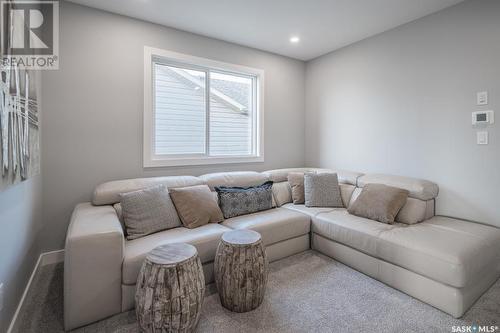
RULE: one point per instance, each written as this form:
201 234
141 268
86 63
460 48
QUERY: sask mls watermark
30 34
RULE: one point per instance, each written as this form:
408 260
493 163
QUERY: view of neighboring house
180 113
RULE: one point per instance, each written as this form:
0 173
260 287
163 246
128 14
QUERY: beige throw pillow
296 180
282 194
379 202
196 205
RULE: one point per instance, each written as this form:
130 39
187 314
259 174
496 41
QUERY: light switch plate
482 98
482 138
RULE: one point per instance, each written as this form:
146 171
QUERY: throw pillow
379 202
322 190
196 205
148 211
282 193
236 201
119 213
296 181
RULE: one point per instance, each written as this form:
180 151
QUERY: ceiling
322 25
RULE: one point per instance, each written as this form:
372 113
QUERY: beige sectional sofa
445 262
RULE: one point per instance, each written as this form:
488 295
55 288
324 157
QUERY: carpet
307 292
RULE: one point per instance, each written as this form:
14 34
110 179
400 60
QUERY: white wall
401 103
93 107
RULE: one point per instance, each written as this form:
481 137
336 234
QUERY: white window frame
150 159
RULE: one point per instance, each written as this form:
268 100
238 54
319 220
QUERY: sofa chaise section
442 261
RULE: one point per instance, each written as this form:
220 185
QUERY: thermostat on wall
483 117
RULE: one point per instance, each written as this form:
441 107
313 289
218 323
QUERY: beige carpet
307 292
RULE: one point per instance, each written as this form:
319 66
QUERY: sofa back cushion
344 177
415 211
109 193
232 179
236 201
379 202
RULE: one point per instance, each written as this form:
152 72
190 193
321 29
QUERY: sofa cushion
109 193
446 250
310 211
205 239
196 206
274 225
417 188
357 232
236 178
415 211
322 190
379 202
148 211
236 201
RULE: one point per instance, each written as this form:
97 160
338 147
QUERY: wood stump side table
241 270
170 289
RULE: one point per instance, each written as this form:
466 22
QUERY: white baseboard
52 257
44 259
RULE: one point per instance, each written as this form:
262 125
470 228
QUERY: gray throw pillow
379 202
148 211
235 201
322 190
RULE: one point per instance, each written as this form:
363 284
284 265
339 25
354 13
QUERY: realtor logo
30 34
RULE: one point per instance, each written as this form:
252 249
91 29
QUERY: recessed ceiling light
294 39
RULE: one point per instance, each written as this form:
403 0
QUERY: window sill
169 162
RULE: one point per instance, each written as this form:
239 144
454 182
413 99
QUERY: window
200 111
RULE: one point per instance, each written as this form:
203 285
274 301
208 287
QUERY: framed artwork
19 119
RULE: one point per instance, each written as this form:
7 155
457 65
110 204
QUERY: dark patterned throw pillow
235 201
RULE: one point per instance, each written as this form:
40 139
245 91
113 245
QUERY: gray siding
180 121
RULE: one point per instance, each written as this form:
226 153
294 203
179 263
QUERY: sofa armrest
92 265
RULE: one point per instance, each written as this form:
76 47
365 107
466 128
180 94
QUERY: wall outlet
1 297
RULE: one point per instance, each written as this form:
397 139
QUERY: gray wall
401 103
93 107
21 225
20 220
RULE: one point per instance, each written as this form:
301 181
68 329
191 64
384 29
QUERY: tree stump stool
241 270
170 289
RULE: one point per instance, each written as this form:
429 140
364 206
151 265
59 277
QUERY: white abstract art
19 123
